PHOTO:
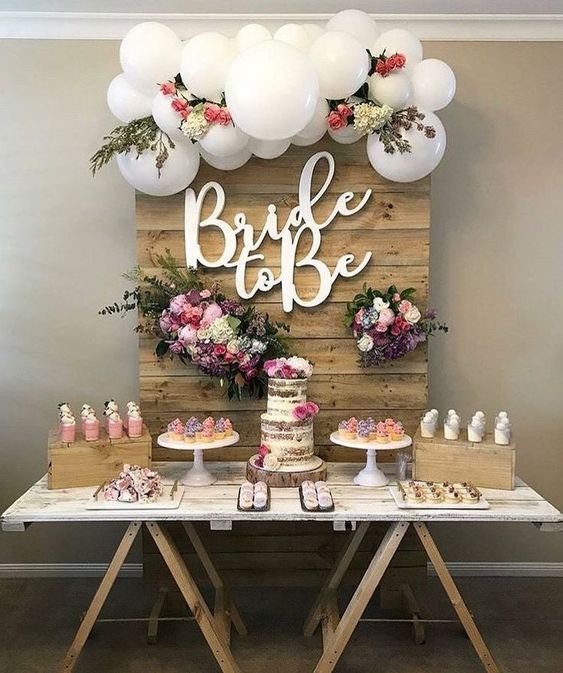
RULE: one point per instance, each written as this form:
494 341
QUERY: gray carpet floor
520 619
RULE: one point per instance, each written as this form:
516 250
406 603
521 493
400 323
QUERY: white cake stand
198 475
371 475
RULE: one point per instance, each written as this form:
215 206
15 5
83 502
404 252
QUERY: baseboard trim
501 569
21 570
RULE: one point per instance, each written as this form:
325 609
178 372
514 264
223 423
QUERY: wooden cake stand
371 475
198 475
286 476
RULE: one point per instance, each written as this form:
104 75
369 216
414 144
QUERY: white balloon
346 135
341 64
230 163
150 54
313 30
395 89
223 140
293 34
271 90
178 171
251 34
433 84
398 40
268 149
305 141
317 127
206 60
356 23
125 102
426 153
166 118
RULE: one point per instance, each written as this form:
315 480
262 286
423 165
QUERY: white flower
233 346
365 343
219 332
369 117
301 365
195 126
271 462
379 304
258 346
412 316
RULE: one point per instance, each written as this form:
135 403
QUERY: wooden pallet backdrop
394 225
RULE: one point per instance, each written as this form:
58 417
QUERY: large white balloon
346 135
293 34
223 140
395 89
205 62
178 171
230 163
268 149
166 118
150 54
271 90
316 128
251 34
426 153
125 102
313 30
433 84
398 40
341 64
356 23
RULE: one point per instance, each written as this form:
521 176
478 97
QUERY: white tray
164 502
163 441
335 438
406 504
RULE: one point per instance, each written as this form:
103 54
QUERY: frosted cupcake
189 436
381 436
176 430
91 427
207 435
220 429
363 431
67 428
228 427
115 426
198 429
343 430
209 422
397 432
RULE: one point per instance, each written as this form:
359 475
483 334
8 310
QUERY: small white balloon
271 91
230 163
268 149
150 54
425 155
346 135
125 102
223 140
395 89
305 141
206 60
293 34
356 23
178 171
251 34
399 41
341 64
166 118
317 127
433 83
313 30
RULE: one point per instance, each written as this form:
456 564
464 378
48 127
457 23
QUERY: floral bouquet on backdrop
388 325
222 337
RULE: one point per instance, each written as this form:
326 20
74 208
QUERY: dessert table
354 506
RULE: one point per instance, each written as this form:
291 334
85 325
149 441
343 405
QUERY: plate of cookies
316 497
253 497
415 494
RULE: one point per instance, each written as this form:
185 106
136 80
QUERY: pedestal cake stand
371 475
198 475
286 475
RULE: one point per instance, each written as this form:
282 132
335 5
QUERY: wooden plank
392 210
389 247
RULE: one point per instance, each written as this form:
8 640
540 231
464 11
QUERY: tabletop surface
219 502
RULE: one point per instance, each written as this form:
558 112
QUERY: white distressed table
218 505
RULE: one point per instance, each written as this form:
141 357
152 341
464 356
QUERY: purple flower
175 346
430 313
193 297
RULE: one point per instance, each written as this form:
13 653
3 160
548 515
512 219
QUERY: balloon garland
228 99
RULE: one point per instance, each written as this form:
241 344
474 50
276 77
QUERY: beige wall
497 247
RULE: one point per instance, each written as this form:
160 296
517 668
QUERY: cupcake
343 430
363 431
115 426
397 432
91 427
67 428
198 429
353 424
209 422
381 437
228 427
176 430
208 434
389 422
220 429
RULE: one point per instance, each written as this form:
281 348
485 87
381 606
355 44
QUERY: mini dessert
220 429
253 496
428 424
208 434
452 425
451 495
502 433
343 430
476 428
176 430
198 429
110 406
209 422
64 408
363 431
134 484
260 499
67 428
397 432
134 421
90 426
245 500
86 409
228 427
115 426
381 437
348 429
189 435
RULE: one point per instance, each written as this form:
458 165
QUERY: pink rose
344 110
405 306
165 322
396 297
168 88
182 107
380 327
188 335
178 304
313 408
211 112
251 373
220 349
301 412
386 317
359 315
263 450
205 294
176 347
224 118
287 372
336 121
211 313
228 357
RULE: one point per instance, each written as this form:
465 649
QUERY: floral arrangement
134 484
388 325
201 326
266 458
305 411
288 368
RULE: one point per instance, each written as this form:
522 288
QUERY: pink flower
191 315
176 347
179 304
271 367
165 322
259 461
386 317
182 107
301 412
287 372
211 313
380 327
220 349
251 373
211 112
188 335
224 117
405 306
344 110
313 408
205 294
168 88
359 315
396 297
228 357
263 450
336 121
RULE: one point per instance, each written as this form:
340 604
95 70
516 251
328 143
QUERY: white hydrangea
369 118
195 126
220 332
365 343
